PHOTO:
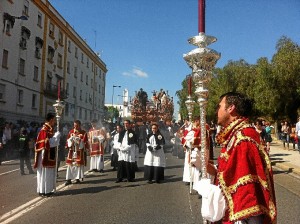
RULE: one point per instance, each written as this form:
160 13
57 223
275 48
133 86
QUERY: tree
274 86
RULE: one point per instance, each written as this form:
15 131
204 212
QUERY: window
86 80
92 66
26 8
49 81
33 101
5 59
20 96
87 62
85 114
81 76
38 46
39 20
80 113
86 97
68 67
74 91
75 72
50 54
2 91
82 57
36 73
69 46
66 109
67 89
92 86
59 60
51 30
76 52
22 67
80 95
60 38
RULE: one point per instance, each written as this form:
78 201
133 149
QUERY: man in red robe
77 144
97 138
45 156
244 171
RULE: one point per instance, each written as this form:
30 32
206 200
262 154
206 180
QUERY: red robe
81 153
245 174
42 143
96 147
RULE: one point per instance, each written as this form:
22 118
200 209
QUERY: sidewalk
286 160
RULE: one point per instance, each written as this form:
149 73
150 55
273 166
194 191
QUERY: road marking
9 172
21 210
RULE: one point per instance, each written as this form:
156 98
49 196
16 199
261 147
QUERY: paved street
100 200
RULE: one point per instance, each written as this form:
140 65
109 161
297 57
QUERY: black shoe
22 173
77 181
31 172
149 182
101 171
68 182
157 181
49 194
118 180
131 180
114 169
41 194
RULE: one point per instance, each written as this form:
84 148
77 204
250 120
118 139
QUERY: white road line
9 172
21 210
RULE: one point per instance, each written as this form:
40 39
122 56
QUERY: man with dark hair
244 172
45 156
127 153
77 143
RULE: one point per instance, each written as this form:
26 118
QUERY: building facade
43 58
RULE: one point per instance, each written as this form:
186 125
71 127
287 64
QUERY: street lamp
112 98
7 17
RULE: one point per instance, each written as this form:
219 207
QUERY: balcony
50 91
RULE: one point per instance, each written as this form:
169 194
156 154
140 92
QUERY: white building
41 53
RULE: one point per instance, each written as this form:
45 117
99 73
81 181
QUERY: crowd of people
243 170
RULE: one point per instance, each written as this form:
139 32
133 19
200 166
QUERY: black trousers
154 173
126 170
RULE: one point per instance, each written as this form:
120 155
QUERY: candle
201 16
58 90
190 85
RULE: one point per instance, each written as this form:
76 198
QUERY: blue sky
142 42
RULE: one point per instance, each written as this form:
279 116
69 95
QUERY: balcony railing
50 90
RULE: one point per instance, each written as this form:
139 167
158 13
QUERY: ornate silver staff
190 107
202 61
58 106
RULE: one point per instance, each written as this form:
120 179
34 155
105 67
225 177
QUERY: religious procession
221 149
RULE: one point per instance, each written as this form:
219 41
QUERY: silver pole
59 106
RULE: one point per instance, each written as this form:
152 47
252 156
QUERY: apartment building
42 57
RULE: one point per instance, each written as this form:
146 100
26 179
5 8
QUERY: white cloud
136 72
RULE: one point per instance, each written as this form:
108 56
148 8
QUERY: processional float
58 106
202 61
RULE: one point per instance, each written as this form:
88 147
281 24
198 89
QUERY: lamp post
7 16
112 98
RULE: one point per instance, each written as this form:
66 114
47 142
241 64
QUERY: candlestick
190 85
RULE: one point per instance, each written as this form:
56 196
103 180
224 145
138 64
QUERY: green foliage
274 86
111 113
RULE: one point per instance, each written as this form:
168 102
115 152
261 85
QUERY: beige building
41 54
